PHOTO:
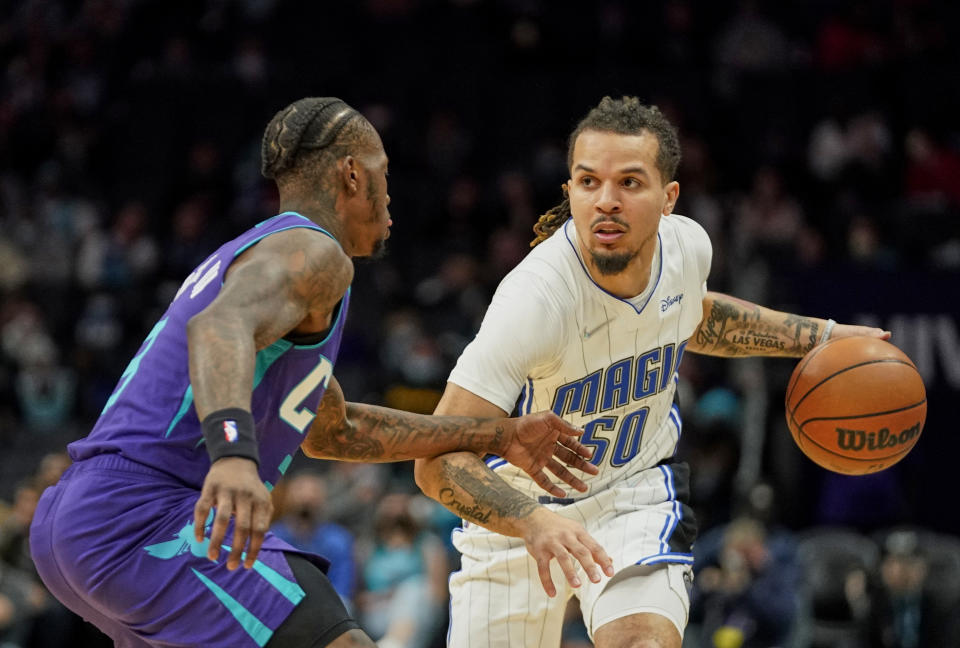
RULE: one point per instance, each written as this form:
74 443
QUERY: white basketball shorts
642 522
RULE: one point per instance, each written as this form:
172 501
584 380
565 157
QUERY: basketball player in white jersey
593 325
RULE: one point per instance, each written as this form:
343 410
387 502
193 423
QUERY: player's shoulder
686 233
544 274
683 225
303 254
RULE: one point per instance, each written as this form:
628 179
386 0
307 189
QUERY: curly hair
625 116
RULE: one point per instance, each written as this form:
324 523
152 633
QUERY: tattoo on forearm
799 325
371 433
475 512
714 326
484 494
736 328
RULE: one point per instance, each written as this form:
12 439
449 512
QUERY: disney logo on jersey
670 301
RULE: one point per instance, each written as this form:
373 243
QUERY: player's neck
633 279
319 211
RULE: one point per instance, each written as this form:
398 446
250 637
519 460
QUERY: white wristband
827 330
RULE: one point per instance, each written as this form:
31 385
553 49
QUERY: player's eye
587 181
631 183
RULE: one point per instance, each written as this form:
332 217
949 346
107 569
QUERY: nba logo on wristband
230 431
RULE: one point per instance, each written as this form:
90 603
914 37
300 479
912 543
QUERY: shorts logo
230 431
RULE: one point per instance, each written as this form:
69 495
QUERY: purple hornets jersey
150 417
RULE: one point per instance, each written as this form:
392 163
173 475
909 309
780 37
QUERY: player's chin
611 262
379 249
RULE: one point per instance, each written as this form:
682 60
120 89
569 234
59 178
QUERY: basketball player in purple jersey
209 413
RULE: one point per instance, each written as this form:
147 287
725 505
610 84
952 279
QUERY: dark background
821 152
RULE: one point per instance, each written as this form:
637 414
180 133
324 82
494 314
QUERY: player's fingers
544 482
261 522
200 512
574 460
220 521
566 476
585 557
241 531
563 427
600 556
543 569
575 446
569 567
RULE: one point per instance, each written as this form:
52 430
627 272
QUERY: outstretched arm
732 327
464 484
359 432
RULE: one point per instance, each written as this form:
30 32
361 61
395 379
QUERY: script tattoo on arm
471 490
733 327
359 432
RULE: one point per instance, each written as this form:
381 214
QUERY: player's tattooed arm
359 432
270 289
463 483
733 327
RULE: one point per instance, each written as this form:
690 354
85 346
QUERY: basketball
856 405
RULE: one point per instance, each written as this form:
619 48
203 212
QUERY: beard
612 263
379 251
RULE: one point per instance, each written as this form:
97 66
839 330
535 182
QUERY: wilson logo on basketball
859 439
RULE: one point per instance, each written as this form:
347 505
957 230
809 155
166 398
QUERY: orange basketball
856 405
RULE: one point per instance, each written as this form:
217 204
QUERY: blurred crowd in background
817 137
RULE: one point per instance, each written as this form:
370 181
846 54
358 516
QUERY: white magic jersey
556 340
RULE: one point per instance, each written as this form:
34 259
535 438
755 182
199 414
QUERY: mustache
612 218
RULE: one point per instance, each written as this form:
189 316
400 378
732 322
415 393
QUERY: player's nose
608 199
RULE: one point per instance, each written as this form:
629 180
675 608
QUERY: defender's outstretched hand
234 489
544 440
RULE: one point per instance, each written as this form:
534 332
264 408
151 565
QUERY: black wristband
231 432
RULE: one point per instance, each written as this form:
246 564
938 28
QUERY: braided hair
305 127
625 116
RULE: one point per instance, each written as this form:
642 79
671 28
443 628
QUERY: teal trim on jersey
290 589
269 486
309 225
333 325
587 272
266 357
280 215
252 625
184 406
134 365
285 464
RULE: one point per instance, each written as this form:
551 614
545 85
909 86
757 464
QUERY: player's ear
671 192
349 172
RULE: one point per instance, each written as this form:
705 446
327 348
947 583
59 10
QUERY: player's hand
541 442
234 489
548 536
850 330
